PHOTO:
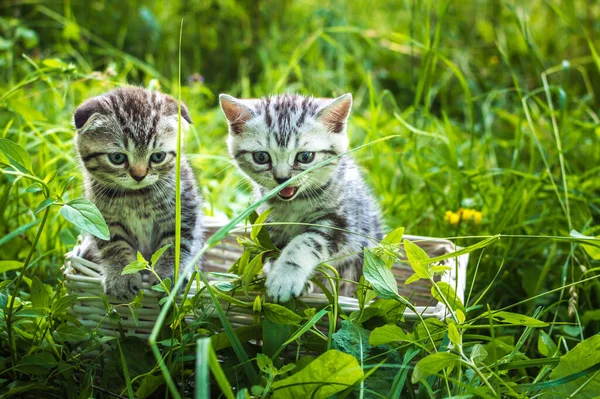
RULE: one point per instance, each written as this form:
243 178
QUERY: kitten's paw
285 283
122 287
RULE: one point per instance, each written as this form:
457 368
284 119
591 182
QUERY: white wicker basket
83 279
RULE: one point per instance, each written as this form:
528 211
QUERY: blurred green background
461 81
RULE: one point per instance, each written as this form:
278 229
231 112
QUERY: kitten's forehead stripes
290 112
137 111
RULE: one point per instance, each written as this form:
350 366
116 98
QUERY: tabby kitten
272 139
126 141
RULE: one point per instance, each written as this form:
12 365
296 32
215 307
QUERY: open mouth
288 193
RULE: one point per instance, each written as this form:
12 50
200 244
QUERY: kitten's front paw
122 287
285 280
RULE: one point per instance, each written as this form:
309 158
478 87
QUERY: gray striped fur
334 196
140 214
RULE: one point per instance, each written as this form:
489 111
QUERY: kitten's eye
117 158
261 157
305 157
158 157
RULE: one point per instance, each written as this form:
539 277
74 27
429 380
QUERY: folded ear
85 111
335 114
236 112
185 114
171 109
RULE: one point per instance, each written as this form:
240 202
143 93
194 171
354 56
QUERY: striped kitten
126 141
274 138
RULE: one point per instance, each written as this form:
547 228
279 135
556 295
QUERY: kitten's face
273 139
127 138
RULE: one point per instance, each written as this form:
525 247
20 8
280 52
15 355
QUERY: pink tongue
287 192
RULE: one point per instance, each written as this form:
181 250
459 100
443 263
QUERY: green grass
484 105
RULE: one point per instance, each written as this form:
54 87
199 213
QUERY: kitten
127 141
274 138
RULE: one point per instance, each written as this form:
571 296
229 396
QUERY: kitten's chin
127 187
137 186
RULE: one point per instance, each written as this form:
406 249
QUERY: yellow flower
467 214
452 218
464 214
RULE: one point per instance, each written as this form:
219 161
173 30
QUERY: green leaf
134 267
584 355
37 363
156 255
592 250
381 278
251 270
453 334
67 332
8 265
432 364
258 233
136 303
280 314
352 339
54 63
545 345
302 330
65 184
439 269
34 188
588 316
32 312
418 259
478 353
412 279
394 237
41 294
150 383
265 364
258 223
231 299
50 176
328 374
62 304
16 155
387 334
45 204
449 294
286 368
515 318
84 214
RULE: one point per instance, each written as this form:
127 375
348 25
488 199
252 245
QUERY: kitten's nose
138 178
138 172
281 180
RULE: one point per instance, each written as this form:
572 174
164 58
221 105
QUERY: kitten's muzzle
281 180
138 178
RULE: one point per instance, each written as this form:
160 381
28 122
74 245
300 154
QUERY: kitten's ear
236 113
84 112
335 114
185 114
